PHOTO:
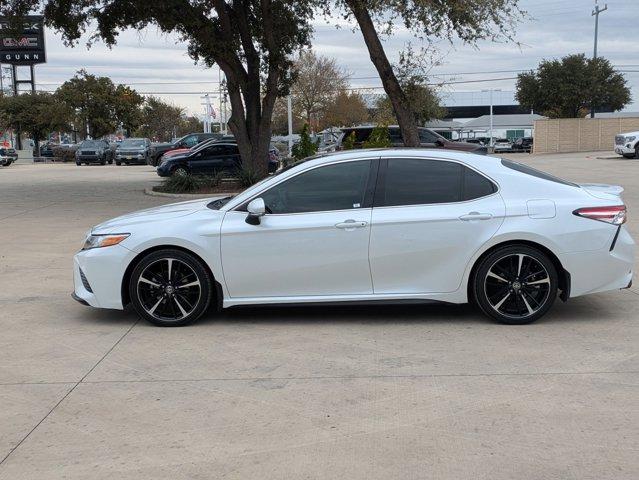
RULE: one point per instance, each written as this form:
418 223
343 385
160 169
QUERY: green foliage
349 142
379 138
567 88
36 114
160 120
100 104
248 176
190 183
305 147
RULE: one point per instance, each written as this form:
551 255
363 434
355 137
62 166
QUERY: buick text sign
24 45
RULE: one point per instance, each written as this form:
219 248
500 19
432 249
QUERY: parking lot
315 393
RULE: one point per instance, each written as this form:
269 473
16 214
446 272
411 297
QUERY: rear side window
423 182
534 173
476 185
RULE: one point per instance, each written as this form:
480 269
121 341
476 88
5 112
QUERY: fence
580 134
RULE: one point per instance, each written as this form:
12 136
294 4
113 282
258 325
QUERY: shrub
349 141
191 183
379 138
306 147
64 153
247 177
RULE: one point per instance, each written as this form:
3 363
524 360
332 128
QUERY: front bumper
131 159
7 160
601 270
104 270
89 158
624 150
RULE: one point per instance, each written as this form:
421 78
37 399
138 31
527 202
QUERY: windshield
132 143
92 143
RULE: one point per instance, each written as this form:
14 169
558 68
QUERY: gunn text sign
23 45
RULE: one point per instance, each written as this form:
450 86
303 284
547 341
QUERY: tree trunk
401 105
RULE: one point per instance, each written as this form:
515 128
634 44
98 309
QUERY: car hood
156 214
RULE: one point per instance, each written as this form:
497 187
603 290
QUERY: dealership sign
24 45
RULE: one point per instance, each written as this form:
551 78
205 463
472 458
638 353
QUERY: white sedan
377 225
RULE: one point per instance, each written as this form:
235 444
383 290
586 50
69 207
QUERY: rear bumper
601 270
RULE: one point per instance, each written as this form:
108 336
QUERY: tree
571 86
188 125
252 42
100 106
379 138
468 20
412 74
318 80
345 110
36 114
160 120
306 147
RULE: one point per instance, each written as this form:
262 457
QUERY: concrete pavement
319 393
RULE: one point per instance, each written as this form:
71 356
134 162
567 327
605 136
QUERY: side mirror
256 209
439 142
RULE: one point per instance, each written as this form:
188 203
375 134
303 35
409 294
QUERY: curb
152 193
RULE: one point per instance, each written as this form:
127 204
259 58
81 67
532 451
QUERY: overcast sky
151 62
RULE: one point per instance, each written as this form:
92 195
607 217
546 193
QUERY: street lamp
491 90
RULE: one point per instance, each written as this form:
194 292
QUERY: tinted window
395 135
534 173
426 136
419 182
190 141
476 185
334 187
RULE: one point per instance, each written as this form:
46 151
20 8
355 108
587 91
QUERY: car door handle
350 224
476 216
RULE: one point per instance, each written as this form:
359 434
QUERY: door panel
426 248
297 254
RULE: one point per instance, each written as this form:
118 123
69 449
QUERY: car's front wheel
170 288
515 284
180 172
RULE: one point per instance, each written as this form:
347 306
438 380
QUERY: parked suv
133 150
207 159
523 144
94 151
627 144
7 156
427 137
187 141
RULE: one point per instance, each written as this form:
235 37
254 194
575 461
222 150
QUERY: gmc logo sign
24 42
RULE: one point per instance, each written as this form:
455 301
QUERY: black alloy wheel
170 288
515 284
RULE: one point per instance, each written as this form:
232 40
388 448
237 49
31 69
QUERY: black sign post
22 45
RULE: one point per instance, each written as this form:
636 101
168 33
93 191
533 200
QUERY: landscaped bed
205 184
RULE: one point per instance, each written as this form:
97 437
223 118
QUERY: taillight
615 215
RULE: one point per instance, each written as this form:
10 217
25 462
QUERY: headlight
99 241
630 139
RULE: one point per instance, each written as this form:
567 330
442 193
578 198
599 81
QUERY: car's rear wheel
170 288
515 284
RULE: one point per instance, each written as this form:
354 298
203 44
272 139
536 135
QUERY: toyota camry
367 226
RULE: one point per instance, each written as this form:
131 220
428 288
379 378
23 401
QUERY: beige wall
580 134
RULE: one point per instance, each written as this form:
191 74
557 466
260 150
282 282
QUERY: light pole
289 105
491 90
595 13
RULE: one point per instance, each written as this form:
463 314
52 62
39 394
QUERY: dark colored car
428 139
207 159
7 156
94 151
523 144
187 141
46 150
133 150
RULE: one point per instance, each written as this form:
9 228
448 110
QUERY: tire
110 162
102 162
170 307
180 171
118 163
515 284
78 163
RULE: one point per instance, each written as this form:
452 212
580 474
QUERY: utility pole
290 125
595 13
491 90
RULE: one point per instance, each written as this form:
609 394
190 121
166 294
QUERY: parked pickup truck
7 156
627 144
